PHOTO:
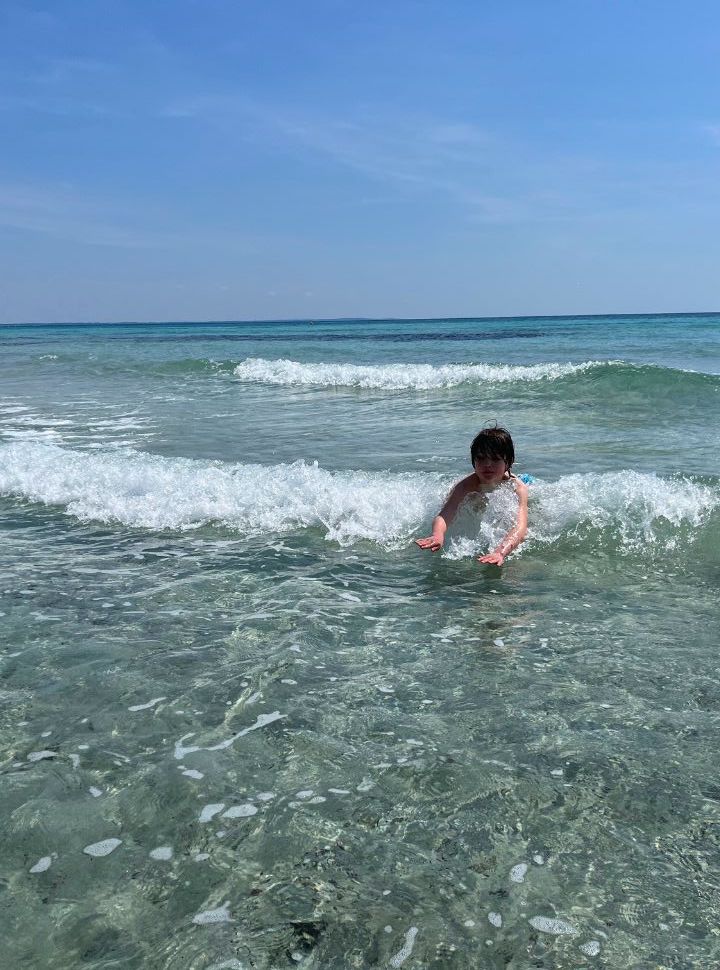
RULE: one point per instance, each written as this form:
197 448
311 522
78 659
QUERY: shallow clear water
316 745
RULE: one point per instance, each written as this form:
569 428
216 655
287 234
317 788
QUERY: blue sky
237 159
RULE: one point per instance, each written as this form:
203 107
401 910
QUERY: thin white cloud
61 212
458 133
56 70
53 104
486 176
420 154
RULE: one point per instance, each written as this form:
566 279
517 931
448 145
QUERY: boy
492 454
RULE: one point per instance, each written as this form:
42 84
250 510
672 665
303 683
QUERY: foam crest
636 508
393 377
153 492
617 509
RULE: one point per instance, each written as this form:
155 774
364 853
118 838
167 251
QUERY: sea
247 724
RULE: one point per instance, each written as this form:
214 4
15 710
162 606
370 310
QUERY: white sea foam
145 707
173 493
633 506
394 377
240 811
209 916
149 491
162 854
102 848
557 927
24 424
406 949
261 721
210 811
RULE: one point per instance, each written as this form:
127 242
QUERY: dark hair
493 443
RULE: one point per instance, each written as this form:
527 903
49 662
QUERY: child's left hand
492 559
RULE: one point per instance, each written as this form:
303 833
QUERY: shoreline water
246 720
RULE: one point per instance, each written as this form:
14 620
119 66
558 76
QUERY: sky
259 159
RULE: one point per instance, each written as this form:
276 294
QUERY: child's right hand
433 543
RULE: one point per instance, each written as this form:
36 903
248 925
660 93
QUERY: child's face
490 471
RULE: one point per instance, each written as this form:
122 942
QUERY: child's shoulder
467 484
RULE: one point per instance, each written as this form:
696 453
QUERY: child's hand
492 559
433 543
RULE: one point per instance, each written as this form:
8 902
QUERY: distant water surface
246 723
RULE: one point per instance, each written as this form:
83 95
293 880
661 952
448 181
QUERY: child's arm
445 516
518 532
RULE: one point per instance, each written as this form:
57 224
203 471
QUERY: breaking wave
623 510
258 370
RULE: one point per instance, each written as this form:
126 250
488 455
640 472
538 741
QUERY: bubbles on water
42 865
240 811
210 811
210 916
262 721
406 949
146 706
556 927
41 755
162 853
102 848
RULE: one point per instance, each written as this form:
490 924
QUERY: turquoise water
246 723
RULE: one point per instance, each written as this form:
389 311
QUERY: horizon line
353 319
